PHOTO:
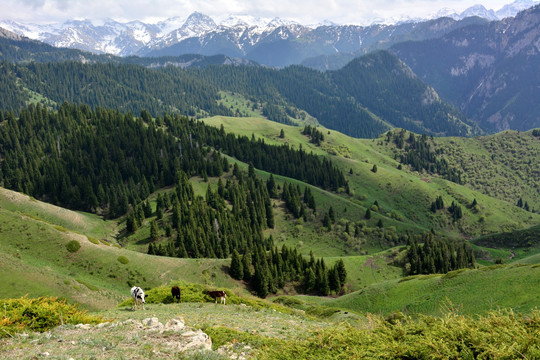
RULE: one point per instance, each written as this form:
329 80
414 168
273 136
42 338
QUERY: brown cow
175 292
218 294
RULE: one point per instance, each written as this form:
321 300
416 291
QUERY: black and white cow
138 297
175 292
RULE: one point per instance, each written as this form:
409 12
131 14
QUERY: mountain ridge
235 36
487 71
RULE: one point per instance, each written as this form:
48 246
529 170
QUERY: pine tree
342 271
237 271
333 280
147 209
271 186
368 214
260 282
154 231
309 280
332 215
246 266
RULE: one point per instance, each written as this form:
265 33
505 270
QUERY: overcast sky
361 12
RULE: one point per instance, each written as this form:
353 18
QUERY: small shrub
73 246
321 311
453 274
89 286
288 301
93 240
60 228
123 260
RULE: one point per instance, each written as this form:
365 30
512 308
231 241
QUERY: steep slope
371 94
19 49
387 87
488 71
340 100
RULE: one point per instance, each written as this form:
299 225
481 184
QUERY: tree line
102 161
421 157
268 271
438 256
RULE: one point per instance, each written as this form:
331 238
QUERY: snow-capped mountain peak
512 9
199 20
238 32
245 20
480 11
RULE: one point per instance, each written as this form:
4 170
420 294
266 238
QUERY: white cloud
305 11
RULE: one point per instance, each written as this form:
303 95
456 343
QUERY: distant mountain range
490 71
487 71
273 42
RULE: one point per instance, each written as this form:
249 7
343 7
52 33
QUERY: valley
383 200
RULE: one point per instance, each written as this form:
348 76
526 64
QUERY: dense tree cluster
419 155
108 85
282 160
268 271
523 205
456 211
438 256
275 113
295 202
437 204
205 227
314 134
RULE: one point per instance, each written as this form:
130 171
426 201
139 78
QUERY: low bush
321 311
73 246
40 314
502 334
123 260
89 286
93 240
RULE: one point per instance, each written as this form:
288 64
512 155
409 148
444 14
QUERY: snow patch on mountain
241 30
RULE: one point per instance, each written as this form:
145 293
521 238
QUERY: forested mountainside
371 95
488 71
127 88
125 159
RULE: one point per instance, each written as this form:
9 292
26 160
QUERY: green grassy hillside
465 291
35 259
404 196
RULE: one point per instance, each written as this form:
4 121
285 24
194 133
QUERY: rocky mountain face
273 42
488 71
